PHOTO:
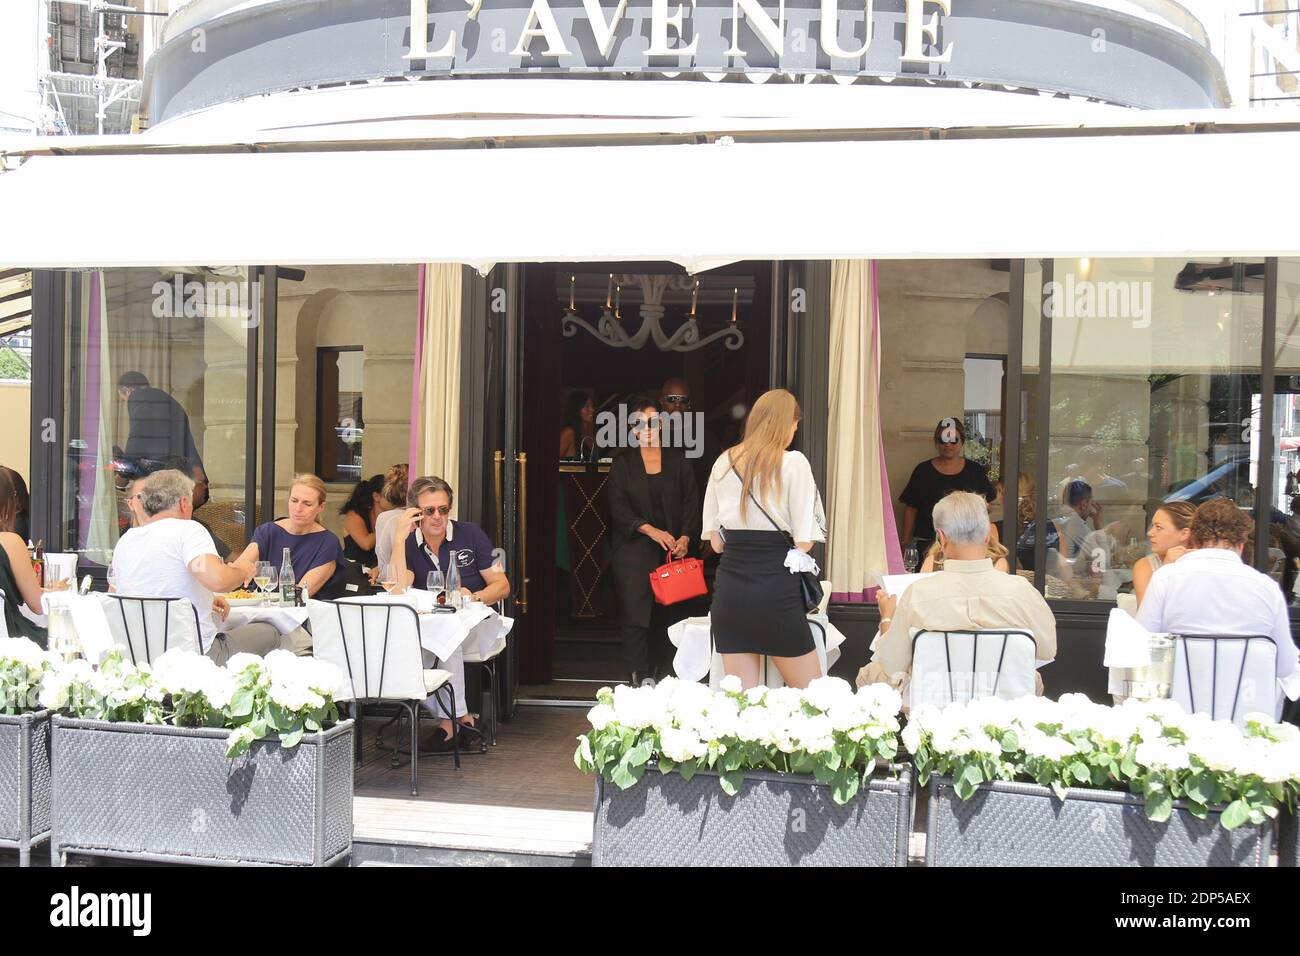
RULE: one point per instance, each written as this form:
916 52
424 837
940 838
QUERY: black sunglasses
436 510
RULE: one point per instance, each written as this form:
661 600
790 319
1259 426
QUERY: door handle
498 464
522 600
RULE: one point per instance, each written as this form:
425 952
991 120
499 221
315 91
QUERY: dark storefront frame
800 361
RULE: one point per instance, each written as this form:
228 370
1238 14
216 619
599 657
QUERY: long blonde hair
761 451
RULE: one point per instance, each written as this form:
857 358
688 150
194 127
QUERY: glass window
155 377
1154 399
340 384
1285 503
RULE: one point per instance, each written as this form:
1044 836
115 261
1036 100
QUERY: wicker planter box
1022 824
775 820
1288 840
145 792
24 782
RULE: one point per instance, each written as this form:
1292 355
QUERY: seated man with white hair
171 556
968 594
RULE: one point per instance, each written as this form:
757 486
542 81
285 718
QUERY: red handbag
678 581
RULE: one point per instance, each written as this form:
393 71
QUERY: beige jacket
965 595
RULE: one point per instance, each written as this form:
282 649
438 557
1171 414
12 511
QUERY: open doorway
595 339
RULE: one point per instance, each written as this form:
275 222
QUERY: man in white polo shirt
171 556
1210 590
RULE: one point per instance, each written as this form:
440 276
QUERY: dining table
696 657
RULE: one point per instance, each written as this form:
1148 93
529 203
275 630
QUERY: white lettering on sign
918 28
771 32
921 29
830 19
541 23
660 21
603 32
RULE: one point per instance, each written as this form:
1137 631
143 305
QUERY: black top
927 485
159 429
17 625
658 489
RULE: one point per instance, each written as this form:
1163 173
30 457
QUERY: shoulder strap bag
809 586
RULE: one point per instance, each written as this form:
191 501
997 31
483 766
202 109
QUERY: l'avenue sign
870 36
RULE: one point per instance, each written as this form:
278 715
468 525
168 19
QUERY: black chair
1226 675
377 647
959 666
148 627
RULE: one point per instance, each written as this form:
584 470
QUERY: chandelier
609 327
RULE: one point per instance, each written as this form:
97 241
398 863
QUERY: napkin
1127 641
797 560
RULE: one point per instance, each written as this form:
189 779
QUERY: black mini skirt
757 605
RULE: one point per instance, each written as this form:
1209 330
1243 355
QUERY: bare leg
744 666
799 672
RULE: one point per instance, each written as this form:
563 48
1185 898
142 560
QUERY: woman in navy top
315 551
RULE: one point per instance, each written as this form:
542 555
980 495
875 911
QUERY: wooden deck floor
523 796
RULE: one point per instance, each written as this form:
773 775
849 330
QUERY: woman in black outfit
364 505
654 506
22 520
949 470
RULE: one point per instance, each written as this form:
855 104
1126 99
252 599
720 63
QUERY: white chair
377 649
489 661
1226 676
147 627
959 666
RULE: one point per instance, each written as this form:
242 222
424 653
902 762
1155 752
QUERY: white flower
731 684
827 692
600 716
682 745
1162 755
912 736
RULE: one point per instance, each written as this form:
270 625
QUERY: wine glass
273 587
433 583
911 557
388 577
262 578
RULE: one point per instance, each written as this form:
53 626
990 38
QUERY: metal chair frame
144 603
1005 634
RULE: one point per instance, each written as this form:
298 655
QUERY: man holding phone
440 542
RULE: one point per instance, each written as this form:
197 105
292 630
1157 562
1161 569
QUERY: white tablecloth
88 620
695 657
476 628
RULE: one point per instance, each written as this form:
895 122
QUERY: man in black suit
159 427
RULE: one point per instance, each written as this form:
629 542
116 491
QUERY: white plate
244 602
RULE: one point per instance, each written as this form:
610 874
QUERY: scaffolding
90 81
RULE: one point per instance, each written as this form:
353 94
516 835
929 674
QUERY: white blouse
798 510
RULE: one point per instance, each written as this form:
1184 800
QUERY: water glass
912 557
434 584
388 577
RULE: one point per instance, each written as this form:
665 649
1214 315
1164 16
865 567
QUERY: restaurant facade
381 231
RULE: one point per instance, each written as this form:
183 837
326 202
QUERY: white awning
700 205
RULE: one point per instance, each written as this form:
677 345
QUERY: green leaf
1234 814
1010 742
1160 806
730 781
688 769
1079 771
640 754
291 738
973 774
1201 788
845 786
241 703
666 765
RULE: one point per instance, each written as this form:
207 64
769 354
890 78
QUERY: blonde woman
995 552
760 497
315 551
1170 535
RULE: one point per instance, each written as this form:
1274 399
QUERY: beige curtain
861 539
439 384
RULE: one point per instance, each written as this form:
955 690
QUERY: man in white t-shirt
170 555
1210 590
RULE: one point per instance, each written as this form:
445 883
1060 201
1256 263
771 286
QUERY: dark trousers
647 650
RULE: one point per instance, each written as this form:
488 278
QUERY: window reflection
1154 399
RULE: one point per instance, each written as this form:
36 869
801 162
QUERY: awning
699 205
15 300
